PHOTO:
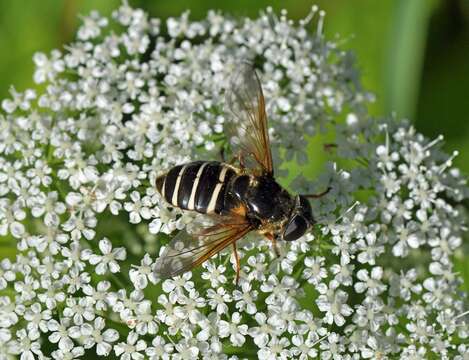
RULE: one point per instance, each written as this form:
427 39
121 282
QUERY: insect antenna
317 196
324 220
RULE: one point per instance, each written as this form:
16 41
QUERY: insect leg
272 238
233 159
329 147
241 160
235 252
316 196
222 153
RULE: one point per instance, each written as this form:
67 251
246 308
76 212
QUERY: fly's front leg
238 267
272 238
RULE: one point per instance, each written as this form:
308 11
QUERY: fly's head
300 220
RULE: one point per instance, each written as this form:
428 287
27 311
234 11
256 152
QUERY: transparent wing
246 126
188 250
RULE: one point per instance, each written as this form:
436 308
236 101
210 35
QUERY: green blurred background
413 54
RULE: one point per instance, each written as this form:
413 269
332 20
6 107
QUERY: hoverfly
239 199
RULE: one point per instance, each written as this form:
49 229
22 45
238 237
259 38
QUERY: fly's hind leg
239 158
329 147
222 154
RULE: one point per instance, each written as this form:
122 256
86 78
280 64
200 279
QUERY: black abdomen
200 186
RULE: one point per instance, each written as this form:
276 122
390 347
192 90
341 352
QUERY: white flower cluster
78 202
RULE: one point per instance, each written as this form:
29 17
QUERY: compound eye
306 211
295 228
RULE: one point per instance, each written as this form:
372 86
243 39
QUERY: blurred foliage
412 54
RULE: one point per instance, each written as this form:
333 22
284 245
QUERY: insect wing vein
246 126
186 251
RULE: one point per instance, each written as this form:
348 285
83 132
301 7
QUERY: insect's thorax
265 200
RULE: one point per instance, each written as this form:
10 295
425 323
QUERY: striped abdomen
199 186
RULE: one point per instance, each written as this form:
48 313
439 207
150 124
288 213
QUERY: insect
238 198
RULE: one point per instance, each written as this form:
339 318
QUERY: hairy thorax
267 203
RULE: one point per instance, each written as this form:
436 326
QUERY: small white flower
371 284
98 296
218 300
79 226
47 69
258 266
209 332
315 270
145 320
262 333
140 275
92 25
50 207
343 273
159 349
214 273
369 250
37 318
107 261
178 284
185 350
26 345
20 100
405 284
27 288
191 307
62 333
10 218
333 303
76 280
6 273
332 348
75 353
96 334
233 329
137 209
279 291
369 314
79 310
132 349
283 316
303 349
246 298
277 349
166 315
